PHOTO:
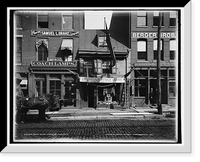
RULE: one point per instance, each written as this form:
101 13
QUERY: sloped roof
89 42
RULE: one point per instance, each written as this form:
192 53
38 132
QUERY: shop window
141 73
18 50
140 87
43 20
171 73
172 88
156 19
173 48
40 87
55 84
172 18
142 49
42 53
155 51
141 19
67 21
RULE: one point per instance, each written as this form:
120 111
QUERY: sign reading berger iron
54 33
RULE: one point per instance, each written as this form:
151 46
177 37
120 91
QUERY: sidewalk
107 113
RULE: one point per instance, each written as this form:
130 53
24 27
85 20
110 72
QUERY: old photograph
96 75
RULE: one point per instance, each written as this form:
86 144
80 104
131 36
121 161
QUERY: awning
67 44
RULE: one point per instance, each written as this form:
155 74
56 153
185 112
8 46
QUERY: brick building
54 53
144 26
46 47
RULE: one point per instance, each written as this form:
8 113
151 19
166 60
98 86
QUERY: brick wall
29 22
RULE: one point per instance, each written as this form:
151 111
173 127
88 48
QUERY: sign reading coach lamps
54 63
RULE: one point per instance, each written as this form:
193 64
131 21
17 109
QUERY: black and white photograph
96 76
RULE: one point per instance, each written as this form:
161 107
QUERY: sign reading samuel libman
54 33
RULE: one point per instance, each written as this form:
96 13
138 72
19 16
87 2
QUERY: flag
113 61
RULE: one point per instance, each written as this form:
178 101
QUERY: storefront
57 77
145 84
98 92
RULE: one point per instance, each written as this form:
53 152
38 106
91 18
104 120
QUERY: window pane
42 53
43 20
172 14
18 21
172 22
172 89
67 22
141 21
18 51
141 14
102 41
155 44
142 55
156 13
172 45
141 46
172 55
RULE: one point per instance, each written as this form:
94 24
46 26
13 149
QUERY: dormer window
102 41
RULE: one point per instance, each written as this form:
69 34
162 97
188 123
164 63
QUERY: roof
89 43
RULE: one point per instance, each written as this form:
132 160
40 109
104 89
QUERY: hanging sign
58 33
101 80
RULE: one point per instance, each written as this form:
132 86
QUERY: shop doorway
153 91
90 96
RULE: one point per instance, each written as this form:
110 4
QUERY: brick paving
109 129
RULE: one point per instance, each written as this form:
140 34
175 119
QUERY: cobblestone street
104 129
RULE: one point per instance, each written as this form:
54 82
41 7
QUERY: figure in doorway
152 97
108 100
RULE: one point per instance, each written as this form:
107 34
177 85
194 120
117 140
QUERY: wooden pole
158 66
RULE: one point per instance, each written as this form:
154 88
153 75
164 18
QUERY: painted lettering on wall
54 33
152 35
54 63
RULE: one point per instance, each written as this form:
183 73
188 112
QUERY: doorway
153 90
90 96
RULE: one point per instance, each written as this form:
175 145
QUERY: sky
95 19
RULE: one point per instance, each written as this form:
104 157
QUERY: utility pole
158 66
